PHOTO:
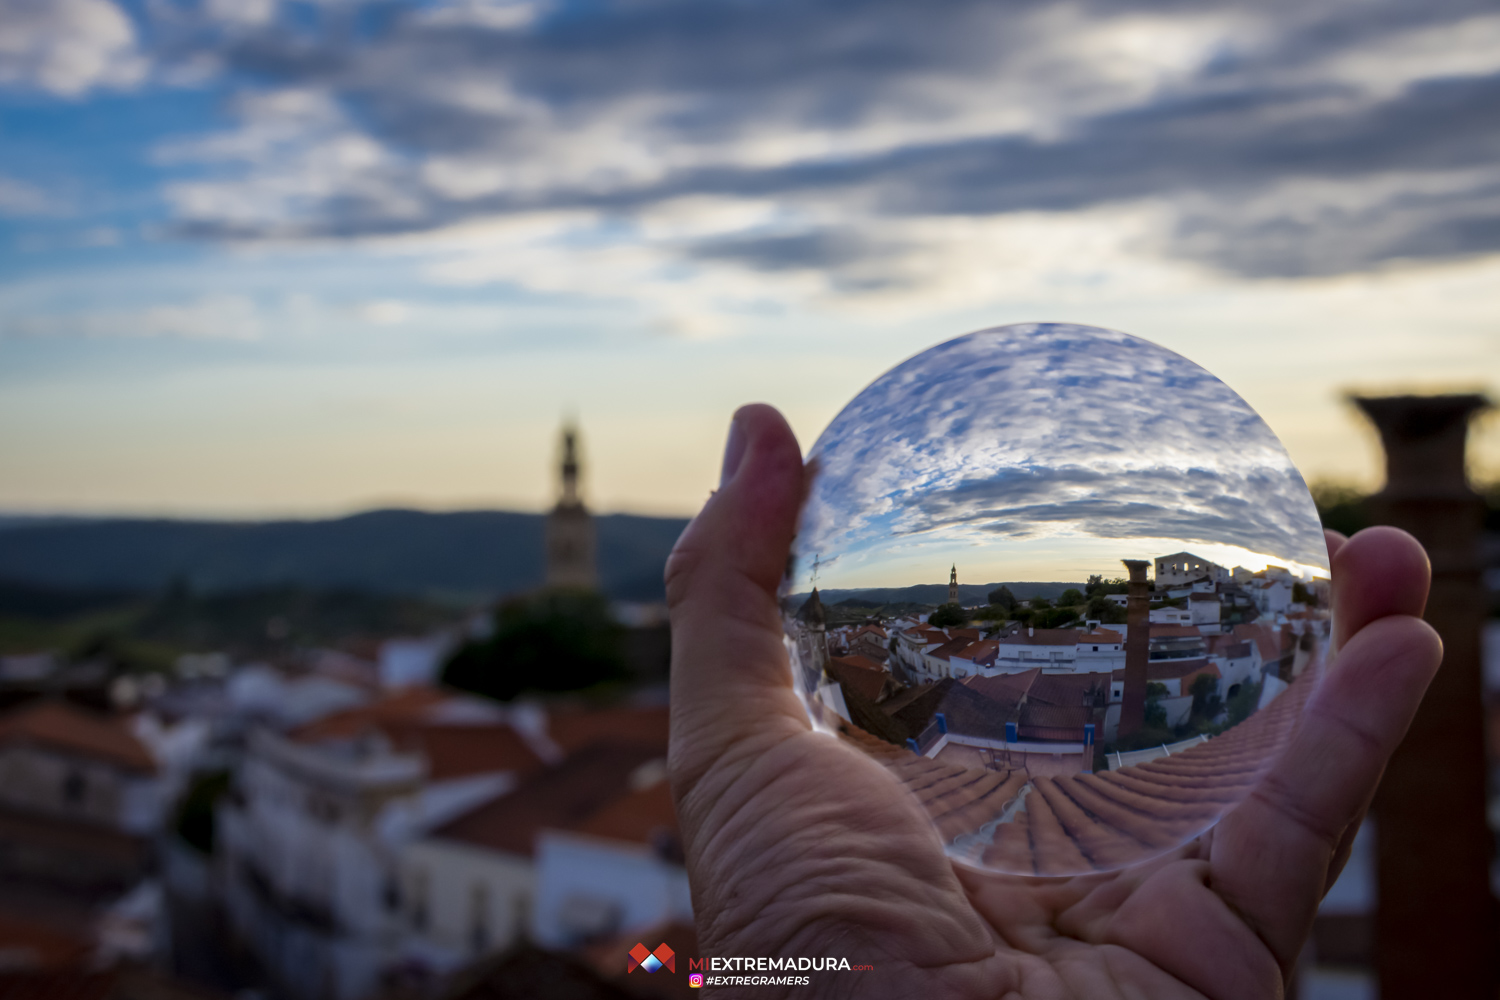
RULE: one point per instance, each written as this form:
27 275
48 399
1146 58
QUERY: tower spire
953 584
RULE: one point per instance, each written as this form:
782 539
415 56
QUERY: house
1053 649
1204 609
471 885
80 796
1181 568
309 841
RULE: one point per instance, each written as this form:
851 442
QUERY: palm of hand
799 845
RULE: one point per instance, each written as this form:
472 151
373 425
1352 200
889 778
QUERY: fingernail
734 452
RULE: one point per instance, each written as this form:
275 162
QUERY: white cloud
20 198
68 47
226 317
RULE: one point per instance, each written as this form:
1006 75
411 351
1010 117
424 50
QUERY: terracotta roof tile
1080 822
860 673
403 708
641 816
561 797
66 727
576 728
457 751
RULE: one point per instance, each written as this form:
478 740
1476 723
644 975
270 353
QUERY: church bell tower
953 584
571 560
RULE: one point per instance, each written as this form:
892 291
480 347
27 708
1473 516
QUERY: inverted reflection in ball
1066 586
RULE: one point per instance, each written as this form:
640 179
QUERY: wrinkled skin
799 845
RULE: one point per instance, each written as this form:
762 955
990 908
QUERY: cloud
17 198
68 47
226 317
870 149
1036 431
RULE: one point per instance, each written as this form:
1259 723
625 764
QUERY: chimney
1435 917
1137 645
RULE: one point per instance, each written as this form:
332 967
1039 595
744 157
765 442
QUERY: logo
696 980
640 958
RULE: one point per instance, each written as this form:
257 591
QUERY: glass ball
1066 586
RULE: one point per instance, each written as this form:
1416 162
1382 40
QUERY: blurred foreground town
300 793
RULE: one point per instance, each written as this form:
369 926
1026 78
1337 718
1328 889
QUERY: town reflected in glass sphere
1067 586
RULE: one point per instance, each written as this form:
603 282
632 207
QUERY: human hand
798 844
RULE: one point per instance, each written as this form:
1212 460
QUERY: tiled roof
575 728
1086 822
950 648
401 709
1043 637
983 651
62 726
561 797
860 673
642 816
459 751
1166 670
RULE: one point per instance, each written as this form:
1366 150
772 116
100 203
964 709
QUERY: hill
969 594
463 554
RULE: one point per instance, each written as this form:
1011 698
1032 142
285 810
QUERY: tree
948 614
1071 598
553 641
1243 703
1040 604
1156 714
1206 701
1302 594
1095 582
1003 597
1105 610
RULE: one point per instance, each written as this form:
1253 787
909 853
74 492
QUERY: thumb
730 675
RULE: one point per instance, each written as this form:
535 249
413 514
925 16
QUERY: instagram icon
696 980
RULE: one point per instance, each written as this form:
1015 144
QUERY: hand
800 845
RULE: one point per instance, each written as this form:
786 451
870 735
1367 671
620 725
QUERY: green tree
1105 610
1040 604
948 614
1301 593
1003 597
1206 701
1242 703
1156 713
1095 582
1071 598
552 641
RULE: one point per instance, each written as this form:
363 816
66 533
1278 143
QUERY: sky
1048 452
274 258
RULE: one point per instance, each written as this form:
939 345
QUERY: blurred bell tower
571 558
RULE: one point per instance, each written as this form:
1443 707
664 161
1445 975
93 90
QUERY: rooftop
63 726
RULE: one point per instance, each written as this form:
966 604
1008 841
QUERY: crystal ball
1066 586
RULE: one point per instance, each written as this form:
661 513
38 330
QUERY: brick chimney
1435 927
1137 645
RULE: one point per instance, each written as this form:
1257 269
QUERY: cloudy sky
260 256
1048 452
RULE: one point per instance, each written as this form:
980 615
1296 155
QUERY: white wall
603 874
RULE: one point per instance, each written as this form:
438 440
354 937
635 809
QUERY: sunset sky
303 258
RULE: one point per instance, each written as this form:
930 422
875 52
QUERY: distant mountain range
465 554
937 593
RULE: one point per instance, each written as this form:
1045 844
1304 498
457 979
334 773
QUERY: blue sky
265 257
1048 452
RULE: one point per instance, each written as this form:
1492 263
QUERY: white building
1182 568
310 843
559 858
